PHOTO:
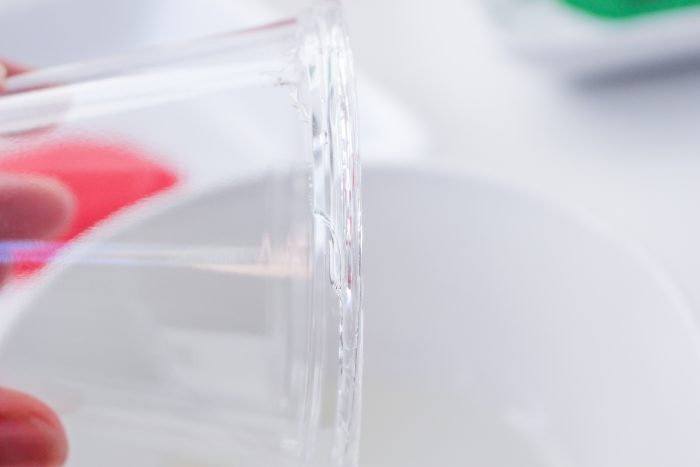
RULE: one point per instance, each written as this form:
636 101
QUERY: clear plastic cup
181 248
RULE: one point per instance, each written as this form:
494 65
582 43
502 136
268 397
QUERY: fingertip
34 207
5 270
30 432
7 70
12 69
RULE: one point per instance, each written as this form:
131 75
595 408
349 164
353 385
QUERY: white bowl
502 331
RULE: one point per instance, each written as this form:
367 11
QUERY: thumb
31 208
30 433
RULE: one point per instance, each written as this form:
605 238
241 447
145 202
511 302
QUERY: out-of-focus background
538 343
531 196
532 290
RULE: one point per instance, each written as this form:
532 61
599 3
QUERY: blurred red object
103 178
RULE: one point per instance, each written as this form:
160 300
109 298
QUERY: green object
620 9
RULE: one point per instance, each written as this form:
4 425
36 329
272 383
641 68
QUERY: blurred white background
615 154
619 154
621 150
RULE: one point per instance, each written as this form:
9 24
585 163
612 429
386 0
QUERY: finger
59 105
30 433
7 70
32 208
13 69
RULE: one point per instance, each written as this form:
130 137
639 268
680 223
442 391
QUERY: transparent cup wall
200 305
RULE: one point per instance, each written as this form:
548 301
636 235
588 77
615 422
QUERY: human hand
31 208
